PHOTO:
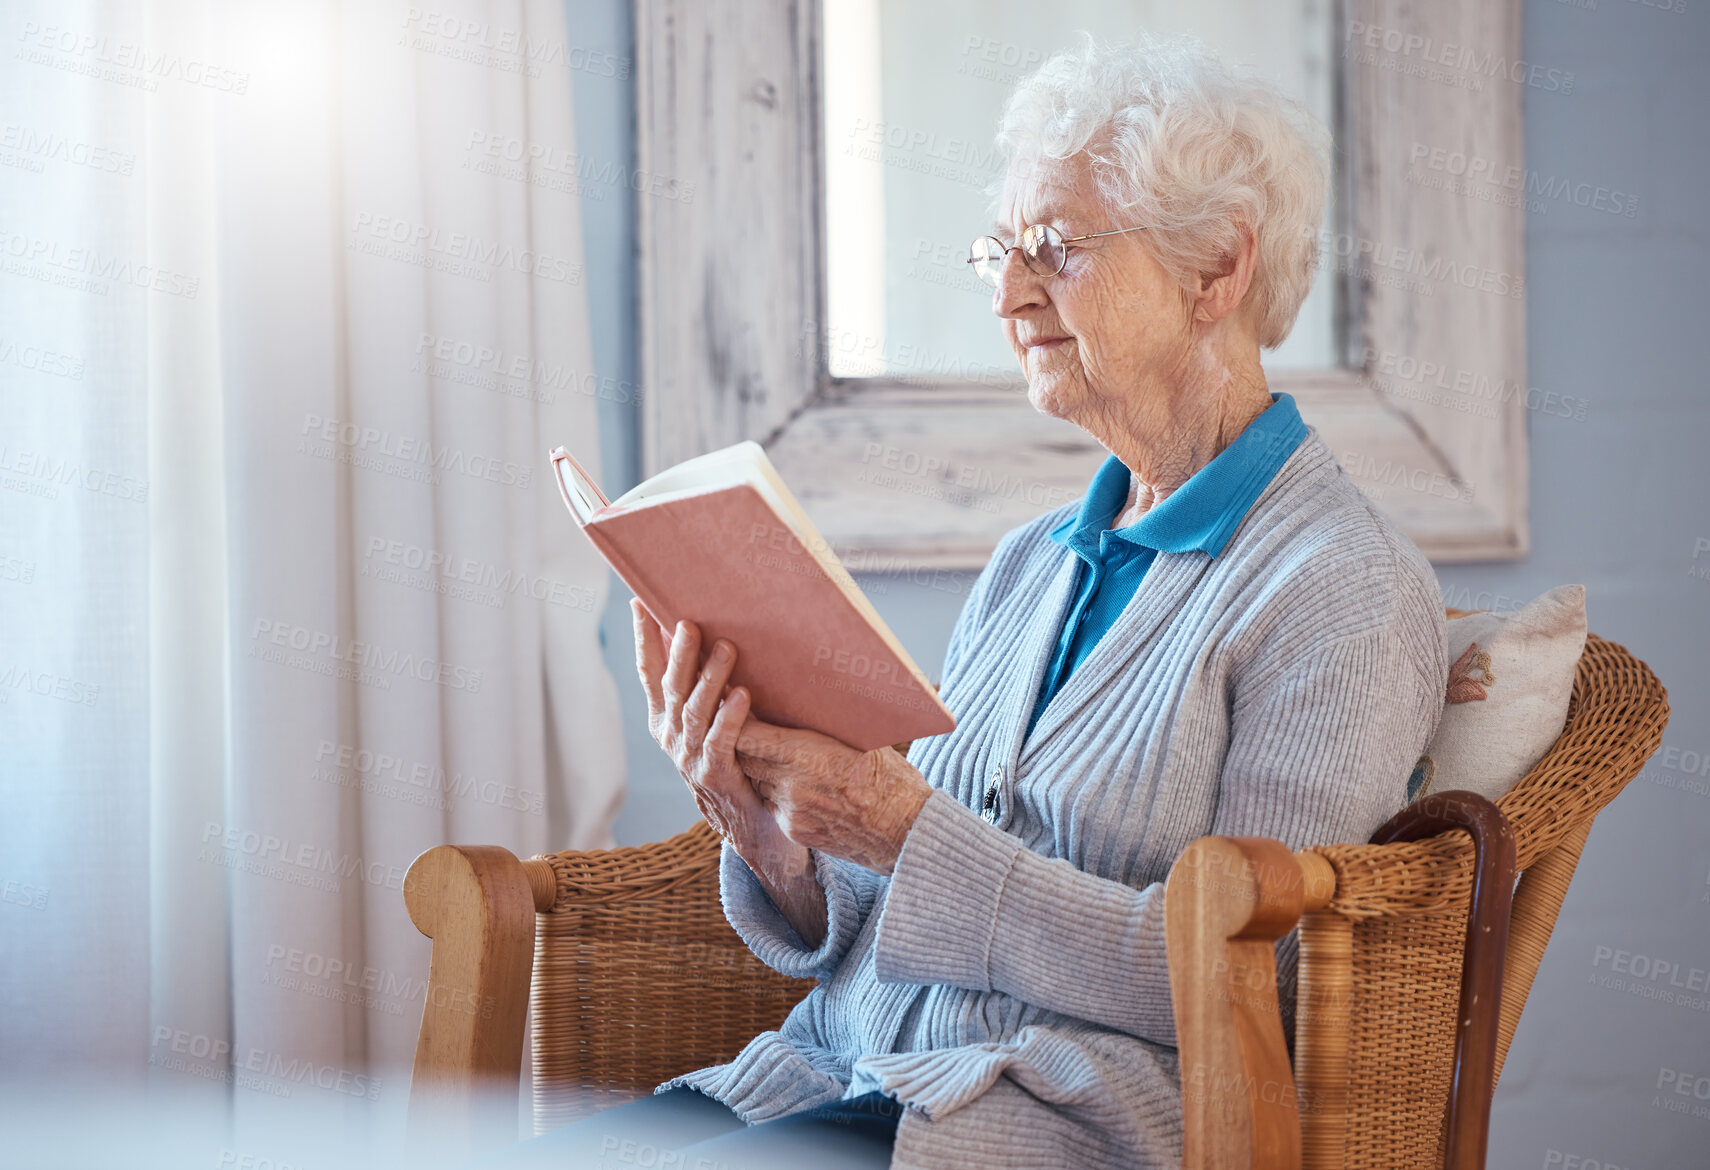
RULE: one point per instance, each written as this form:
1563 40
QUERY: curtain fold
288 595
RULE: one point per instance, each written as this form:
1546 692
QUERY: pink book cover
809 657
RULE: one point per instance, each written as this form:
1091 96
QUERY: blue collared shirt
1201 514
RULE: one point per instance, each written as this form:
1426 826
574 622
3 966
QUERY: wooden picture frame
1427 411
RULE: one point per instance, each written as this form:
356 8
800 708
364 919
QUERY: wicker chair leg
477 903
1537 902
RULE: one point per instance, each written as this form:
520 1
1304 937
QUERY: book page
581 494
725 467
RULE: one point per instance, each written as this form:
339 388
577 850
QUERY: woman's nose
1018 286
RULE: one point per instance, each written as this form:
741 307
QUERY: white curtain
291 311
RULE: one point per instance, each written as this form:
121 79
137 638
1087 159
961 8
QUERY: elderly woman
1224 636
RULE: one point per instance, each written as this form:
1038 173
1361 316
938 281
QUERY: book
720 541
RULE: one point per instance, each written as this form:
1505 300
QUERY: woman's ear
1222 289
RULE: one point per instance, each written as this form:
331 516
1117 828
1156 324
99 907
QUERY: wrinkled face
1103 337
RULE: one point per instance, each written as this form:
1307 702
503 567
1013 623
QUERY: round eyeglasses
1043 248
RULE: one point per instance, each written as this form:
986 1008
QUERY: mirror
913 97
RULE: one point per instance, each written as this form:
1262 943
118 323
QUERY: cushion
1510 677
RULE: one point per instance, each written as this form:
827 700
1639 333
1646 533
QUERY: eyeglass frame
1034 253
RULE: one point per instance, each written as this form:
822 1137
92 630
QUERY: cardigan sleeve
1322 752
850 891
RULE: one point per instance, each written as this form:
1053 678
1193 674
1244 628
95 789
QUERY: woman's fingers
649 659
720 745
680 671
760 770
763 785
709 688
710 811
764 741
698 724
736 809
788 745
770 755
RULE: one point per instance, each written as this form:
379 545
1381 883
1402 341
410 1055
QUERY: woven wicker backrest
1404 906
638 977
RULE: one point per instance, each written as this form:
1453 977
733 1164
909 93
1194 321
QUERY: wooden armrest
1227 901
477 903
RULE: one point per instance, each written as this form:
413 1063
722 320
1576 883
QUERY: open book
719 540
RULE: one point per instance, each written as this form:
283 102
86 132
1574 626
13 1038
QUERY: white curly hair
1179 143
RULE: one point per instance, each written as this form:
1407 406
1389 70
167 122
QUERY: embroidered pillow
1510 676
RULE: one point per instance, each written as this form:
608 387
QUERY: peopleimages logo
398 777
1477 172
465 578
509 49
341 981
1651 978
1466 390
536 157
1371 256
1469 61
296 862
201 1055
882 671
87 269
482 366
422 240
319 645
1387 472
122 61
934 475
43 475
42 145
363 445
41 361
15 677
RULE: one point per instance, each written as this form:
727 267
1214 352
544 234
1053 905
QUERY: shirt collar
1205 511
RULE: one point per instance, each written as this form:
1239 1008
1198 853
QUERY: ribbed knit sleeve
850 891
1321 755
969 906
1321 752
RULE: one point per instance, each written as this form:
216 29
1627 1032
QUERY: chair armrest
1227 901
477 903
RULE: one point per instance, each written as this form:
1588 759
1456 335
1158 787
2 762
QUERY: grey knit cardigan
1008 982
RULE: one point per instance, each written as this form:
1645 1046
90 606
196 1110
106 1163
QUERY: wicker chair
637 977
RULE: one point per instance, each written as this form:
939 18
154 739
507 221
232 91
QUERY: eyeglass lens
1042 249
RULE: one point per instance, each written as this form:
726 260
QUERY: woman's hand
691 717
827 795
